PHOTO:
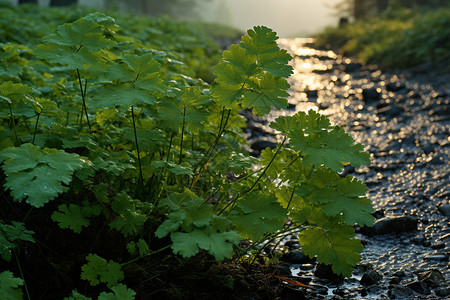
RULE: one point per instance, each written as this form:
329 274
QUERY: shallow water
404 122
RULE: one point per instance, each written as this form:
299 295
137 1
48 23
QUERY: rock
395 224
399 292
325 272
442 292
438 246
370 277
418 240
419 287
395 86
296 256
291 243
440 257
432 278
445 210
351 67
370 94
290 293
284 270
262 143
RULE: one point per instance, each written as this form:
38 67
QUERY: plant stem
268 165
138 258
254 184
83 96
216 141
170 146
21 275
182 135
35 128
13 123
141 177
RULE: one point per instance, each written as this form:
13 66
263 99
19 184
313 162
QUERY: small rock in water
445 210
391 225
370 94
432 278
370 277
284 270
442 292
296 257
325 272
399 292
419 287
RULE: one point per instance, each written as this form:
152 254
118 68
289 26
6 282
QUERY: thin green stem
141 177
21 275
170 146
151 253
13 124
83 96
216 141
267 167
35 128
182 135
290 198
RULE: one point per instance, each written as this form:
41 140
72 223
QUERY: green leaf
90 62
84 32
256 214
333 149
77 296
261 41
130 219
265 92
98 270
38 175
338 196
12 92
252 74
301 123
335 246
120 292
125 94
219 244
75 217
183 169
9 235
10 286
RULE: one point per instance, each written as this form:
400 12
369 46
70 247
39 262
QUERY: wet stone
399 292
370 277
370 94
419 287
325 272
445 210
394 224
432 278
442 292
284 270
296 256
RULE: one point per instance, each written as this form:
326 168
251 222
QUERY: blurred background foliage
397 36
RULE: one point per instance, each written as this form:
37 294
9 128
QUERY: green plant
402 38
124 140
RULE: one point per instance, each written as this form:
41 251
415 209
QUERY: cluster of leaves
114 131
401 38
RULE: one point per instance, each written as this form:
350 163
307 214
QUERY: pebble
419 287
432 278
399 292
296 256
445 210
392 224
370 277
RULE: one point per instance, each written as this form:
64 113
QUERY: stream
403 120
